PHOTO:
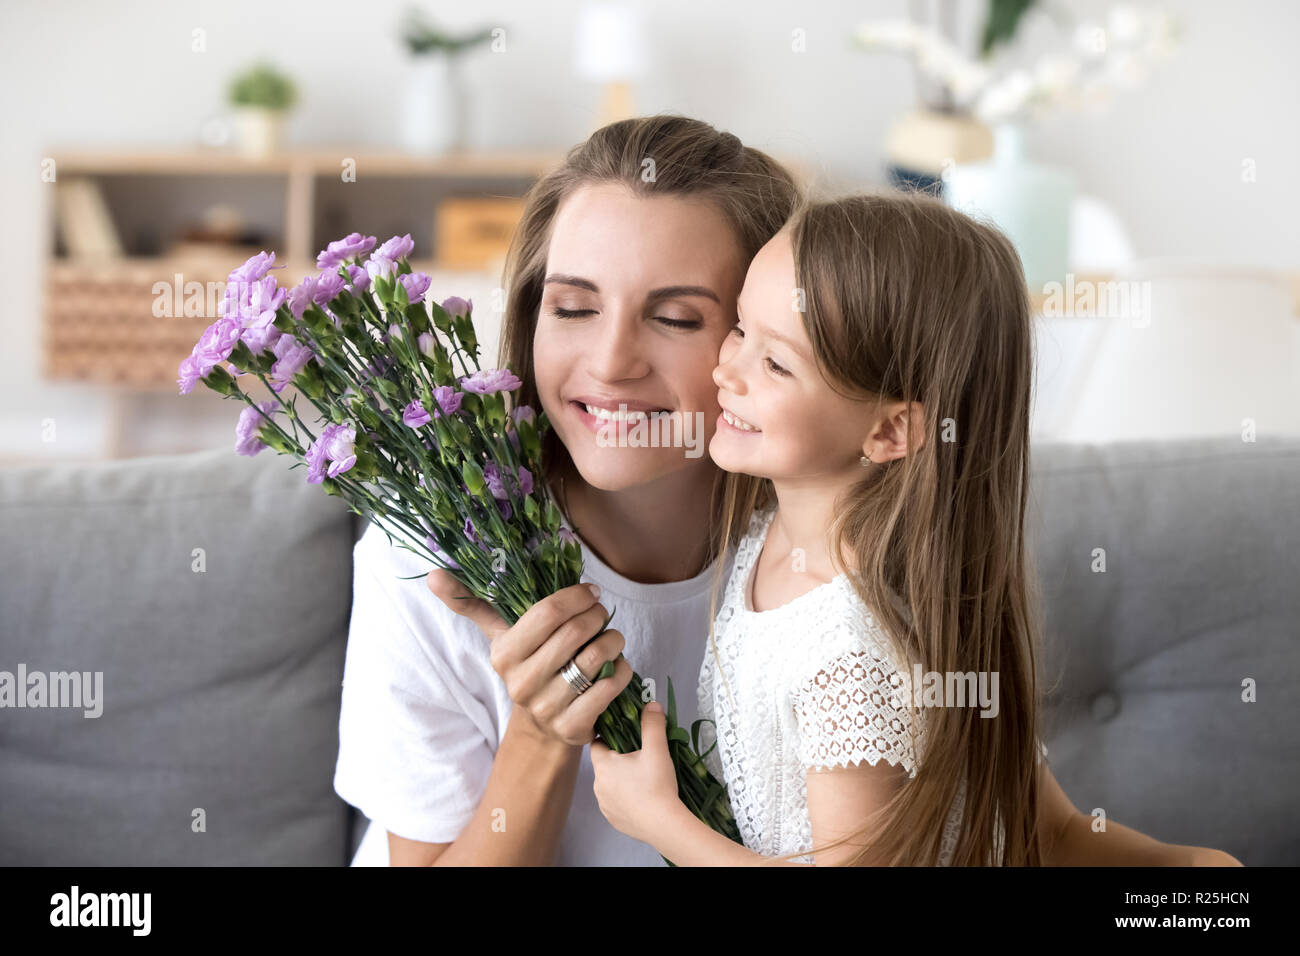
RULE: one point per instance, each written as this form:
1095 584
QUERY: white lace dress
808 685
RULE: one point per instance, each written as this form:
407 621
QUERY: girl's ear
901 432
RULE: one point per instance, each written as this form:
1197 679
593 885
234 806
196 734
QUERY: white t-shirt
423 711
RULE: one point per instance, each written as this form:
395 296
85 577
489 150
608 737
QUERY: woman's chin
622 469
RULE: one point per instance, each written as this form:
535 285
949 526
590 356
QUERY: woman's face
639 294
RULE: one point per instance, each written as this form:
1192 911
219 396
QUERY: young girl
876 397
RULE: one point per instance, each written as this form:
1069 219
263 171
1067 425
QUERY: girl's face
793 425
639 294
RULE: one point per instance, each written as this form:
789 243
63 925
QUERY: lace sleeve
852 710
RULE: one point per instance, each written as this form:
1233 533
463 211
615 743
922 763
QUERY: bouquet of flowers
431 454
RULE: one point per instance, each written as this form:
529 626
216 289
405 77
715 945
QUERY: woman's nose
615 349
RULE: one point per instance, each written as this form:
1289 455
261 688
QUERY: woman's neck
652 534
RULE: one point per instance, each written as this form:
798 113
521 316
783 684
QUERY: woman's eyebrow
666 292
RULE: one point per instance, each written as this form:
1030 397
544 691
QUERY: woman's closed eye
560 313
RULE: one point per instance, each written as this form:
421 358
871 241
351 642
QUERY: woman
459 738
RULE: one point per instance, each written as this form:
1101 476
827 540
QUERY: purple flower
360 280
456 306
470 533
301 296
414 415
216 342
447 558
258 314
328 285
416 285
398 247
383 260
291 356
447 399
254 268
523 413
506 511
190 372
489 380
354 244
250 420
425 342
567 536
492 475
331 454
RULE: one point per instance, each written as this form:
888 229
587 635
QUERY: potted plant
434 105
966 141
261 96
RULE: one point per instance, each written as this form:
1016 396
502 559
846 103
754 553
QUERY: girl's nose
724 376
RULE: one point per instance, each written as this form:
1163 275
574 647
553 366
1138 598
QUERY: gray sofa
222 666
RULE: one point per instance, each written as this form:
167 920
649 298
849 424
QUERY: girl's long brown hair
689 159
908 300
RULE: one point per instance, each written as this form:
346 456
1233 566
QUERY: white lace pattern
805 686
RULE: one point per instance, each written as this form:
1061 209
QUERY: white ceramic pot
259 131
432 119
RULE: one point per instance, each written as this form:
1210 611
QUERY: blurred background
1141 155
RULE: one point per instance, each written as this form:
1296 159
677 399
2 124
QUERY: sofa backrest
212 592
1171 579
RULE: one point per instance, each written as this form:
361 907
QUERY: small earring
865 461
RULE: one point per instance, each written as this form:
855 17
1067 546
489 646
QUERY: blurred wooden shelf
318 161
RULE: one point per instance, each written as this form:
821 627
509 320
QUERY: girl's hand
637 791
530 655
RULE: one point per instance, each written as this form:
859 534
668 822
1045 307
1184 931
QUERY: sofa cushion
213 593
1200 592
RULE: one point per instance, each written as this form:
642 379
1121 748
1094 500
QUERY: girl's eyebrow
666 292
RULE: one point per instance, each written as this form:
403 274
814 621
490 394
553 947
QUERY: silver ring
575 678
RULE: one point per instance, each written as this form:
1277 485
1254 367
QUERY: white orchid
1100 57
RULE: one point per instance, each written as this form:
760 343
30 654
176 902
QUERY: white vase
433 106
1029 202
260 131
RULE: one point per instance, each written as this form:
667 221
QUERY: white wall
87 72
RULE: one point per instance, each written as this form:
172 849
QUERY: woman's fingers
555 695
457 597
577 724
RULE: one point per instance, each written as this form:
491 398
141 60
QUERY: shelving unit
100 321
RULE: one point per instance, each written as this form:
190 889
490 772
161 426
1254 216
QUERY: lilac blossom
354 244
328 285
489 380
301 296
331 454
250 420
360 280
414 415
447 399
291 356
416 285
456 306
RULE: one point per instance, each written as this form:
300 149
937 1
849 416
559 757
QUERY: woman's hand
637 792
530 655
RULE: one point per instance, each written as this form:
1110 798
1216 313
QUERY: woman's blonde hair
908 300
689 159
